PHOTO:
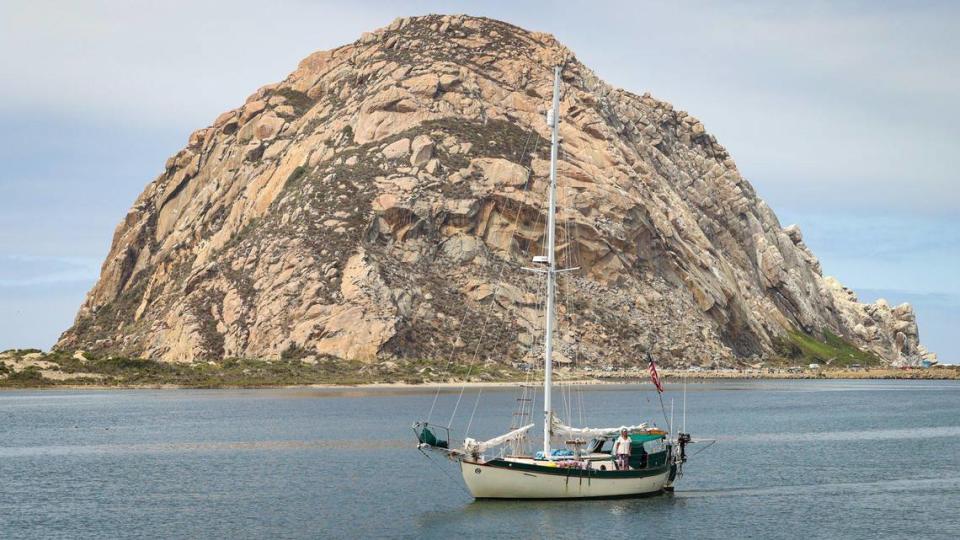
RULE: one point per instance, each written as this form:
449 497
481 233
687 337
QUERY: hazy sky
845 119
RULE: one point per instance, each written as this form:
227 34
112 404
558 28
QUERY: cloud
833 106
156 62
830 104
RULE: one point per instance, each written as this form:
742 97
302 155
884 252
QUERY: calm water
793 460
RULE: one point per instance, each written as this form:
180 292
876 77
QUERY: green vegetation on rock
800 348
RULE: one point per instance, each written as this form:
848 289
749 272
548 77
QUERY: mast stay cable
467 311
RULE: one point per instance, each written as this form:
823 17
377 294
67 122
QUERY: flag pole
684 403
659 388
671 415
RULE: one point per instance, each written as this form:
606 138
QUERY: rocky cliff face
380 201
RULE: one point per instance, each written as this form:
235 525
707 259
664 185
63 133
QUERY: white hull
485 481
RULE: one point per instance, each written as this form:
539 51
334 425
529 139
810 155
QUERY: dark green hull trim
576 473
664 491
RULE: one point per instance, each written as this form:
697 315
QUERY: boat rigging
588 468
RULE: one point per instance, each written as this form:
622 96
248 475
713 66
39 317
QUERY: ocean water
793 459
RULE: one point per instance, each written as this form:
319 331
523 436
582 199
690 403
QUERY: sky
844 116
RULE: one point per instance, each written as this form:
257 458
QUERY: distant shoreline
34 369
928 374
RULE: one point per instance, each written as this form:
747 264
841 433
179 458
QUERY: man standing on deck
621 449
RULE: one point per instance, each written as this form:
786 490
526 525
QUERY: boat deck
595 461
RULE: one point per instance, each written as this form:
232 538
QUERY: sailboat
586 467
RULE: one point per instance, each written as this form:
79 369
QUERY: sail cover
559 428
472 446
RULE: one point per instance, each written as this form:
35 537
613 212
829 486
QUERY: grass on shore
832 350
31 368
60 368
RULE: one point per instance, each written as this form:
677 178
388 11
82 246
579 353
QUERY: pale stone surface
425 85
383 197
397 149
422 150
501 172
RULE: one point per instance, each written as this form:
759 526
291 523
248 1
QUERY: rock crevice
380 201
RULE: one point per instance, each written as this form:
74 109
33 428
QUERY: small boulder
448 81
252 109
267 127
424 85
397 149
501 171
793 232
422 150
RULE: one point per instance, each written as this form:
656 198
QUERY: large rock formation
380 201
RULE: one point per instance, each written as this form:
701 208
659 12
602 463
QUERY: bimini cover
559 428
646 437
472 446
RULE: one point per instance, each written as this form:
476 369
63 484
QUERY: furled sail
559 428
472 446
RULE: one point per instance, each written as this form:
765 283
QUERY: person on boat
621 449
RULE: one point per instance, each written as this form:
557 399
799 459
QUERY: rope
475 403
664 410
575 259
449 360
486 319
445 473
711 443
434 404
523 283
460 397
466 313
503 265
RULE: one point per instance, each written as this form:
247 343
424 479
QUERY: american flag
653 374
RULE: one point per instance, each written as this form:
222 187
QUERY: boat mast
553 120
